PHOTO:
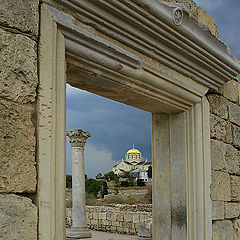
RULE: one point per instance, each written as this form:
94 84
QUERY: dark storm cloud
115 127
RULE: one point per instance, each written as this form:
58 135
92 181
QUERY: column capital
78 137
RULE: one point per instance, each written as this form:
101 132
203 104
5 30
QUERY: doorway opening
115 128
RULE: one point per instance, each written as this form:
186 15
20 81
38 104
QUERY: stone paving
98 235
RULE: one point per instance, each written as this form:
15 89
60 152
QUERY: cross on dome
133 150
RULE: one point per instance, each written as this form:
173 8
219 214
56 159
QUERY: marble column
79 223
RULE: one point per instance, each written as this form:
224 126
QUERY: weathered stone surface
236 135
223 230
220 129
218 151
18 66
220 187
234 113
145 228
199 14
208 20
218 105
17 148
230 90
235 188
232 158
18 218
236 226
231 210
22 15
217 210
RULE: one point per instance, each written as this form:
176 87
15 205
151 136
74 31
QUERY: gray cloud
115 126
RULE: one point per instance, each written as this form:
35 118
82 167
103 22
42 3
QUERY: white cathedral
133 161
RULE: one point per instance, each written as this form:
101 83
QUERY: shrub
93 186
104 188
140 182
125 184
99 176
110 176
69 181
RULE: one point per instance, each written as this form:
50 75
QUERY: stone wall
225 158
115 218
19 34
18 89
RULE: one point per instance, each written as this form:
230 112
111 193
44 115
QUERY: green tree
69 181
93 186
110 176
99 176
104 188
125 183
129 177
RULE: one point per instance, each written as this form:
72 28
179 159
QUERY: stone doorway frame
180 135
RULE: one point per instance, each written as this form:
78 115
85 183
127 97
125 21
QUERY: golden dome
133 150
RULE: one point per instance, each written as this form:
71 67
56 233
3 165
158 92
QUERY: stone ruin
154 55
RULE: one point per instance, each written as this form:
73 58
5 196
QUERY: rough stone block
208 20
95 215
230 90
119 217
220 129
234 113
236 135
218 105
18 66
235 188
145 228
218 151
128 218
220 187
135 218
113 228
236 226
115 223
223 230
120 230
103 216
232 158
111 216
17 148
217 210
21 15
231 210
18 218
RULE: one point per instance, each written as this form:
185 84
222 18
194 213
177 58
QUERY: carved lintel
78 137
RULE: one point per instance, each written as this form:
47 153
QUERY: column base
77 233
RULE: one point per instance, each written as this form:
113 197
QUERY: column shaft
78 189
79 220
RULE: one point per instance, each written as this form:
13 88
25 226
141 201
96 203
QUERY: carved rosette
78 137
178 16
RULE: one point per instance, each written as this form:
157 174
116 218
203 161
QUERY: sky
115 127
